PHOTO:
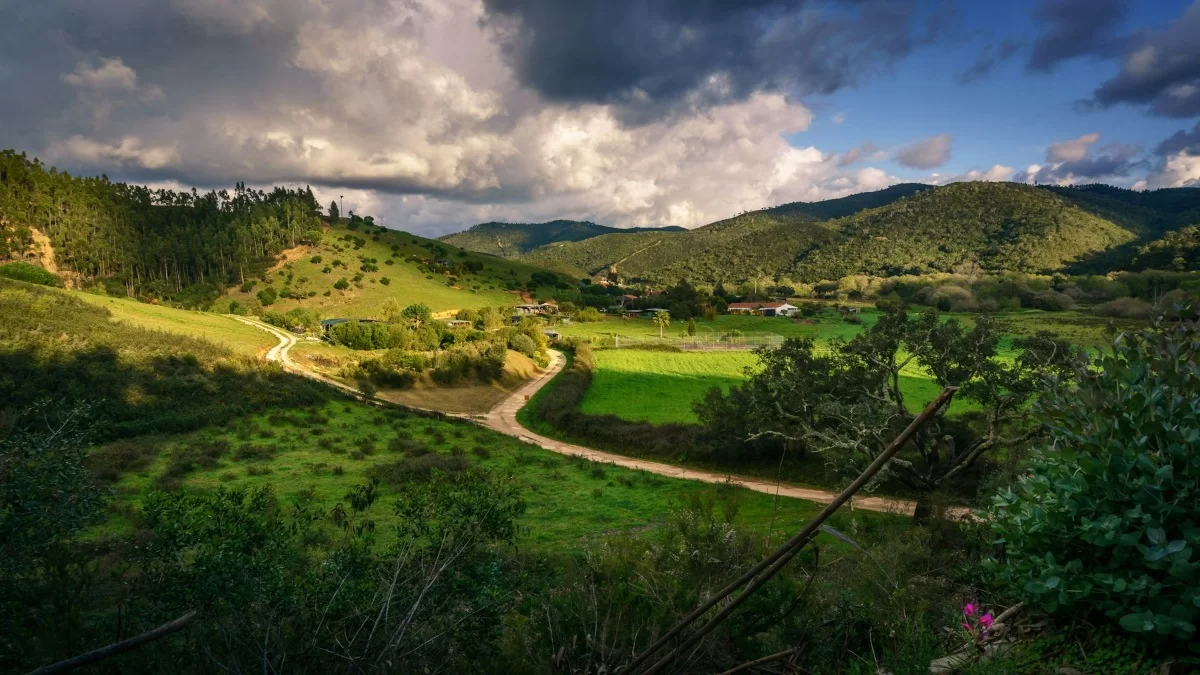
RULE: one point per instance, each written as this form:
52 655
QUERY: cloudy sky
437 114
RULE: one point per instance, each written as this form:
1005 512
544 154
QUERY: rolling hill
377 264
509 240
904 229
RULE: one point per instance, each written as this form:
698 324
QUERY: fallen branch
118 647
773 563
766 659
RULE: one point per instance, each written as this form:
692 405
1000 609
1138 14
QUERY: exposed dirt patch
291 255
43 253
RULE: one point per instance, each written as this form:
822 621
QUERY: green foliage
1107 521
509 240
267 296
524 344
159 239
588 315
23 271
418 313
341 284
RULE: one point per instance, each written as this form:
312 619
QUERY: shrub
588 314
385 281
248 286
341 284
1051 301
267 296
1107 519
1124 308
238 308
316 260
418 469
523 343
23 271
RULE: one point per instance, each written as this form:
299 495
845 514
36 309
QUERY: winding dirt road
503 419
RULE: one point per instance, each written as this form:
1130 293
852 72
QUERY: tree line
152 241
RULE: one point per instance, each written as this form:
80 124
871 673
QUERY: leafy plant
1108 519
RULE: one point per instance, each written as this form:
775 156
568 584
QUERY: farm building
458 323
647 313
763 308
539 308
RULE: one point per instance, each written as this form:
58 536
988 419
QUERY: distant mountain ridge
510 240
904 229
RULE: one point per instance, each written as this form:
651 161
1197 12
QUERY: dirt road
503 419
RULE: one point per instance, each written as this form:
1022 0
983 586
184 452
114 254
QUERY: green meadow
313 457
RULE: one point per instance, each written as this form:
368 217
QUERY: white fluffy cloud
1179 170
411 111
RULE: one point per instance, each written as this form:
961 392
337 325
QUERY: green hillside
846 206
509 240
997 226
376 264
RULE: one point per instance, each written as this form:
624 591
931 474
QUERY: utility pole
340 211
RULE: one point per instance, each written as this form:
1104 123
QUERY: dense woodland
155 240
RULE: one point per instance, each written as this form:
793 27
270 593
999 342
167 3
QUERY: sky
433 115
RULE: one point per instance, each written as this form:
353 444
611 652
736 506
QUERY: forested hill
846 206
911 229
509 240
157 239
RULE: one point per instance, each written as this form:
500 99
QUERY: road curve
503 419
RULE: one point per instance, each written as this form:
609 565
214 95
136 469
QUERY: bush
418 469
523 343
1107 519
267 296
341 284
588 314
316 260
23 271
1051 301
1124 308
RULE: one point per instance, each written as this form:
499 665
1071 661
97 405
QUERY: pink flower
967 626
986 621
969 609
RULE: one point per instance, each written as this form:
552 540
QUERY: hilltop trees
333 211
847 401
154 241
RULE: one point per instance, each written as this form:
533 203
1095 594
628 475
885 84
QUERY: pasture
313 457
662 387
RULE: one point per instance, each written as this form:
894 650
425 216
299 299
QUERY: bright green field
407 283
217 328
569 500
662 387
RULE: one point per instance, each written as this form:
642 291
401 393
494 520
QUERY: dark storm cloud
656 53
1161 69
1181 141
1076 28
1079 161
990 57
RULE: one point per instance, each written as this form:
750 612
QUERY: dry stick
117 648
799 540
766 659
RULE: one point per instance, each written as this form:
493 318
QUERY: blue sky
1008 117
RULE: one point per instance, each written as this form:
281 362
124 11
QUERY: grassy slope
217 328
408 283
568 500
509 240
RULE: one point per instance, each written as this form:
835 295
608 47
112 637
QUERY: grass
312 459
408 282
216 328
660 387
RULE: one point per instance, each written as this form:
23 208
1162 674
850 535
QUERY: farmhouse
763 308
457 323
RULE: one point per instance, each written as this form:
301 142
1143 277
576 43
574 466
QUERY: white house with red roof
763 308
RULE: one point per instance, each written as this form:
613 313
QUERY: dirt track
503 419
